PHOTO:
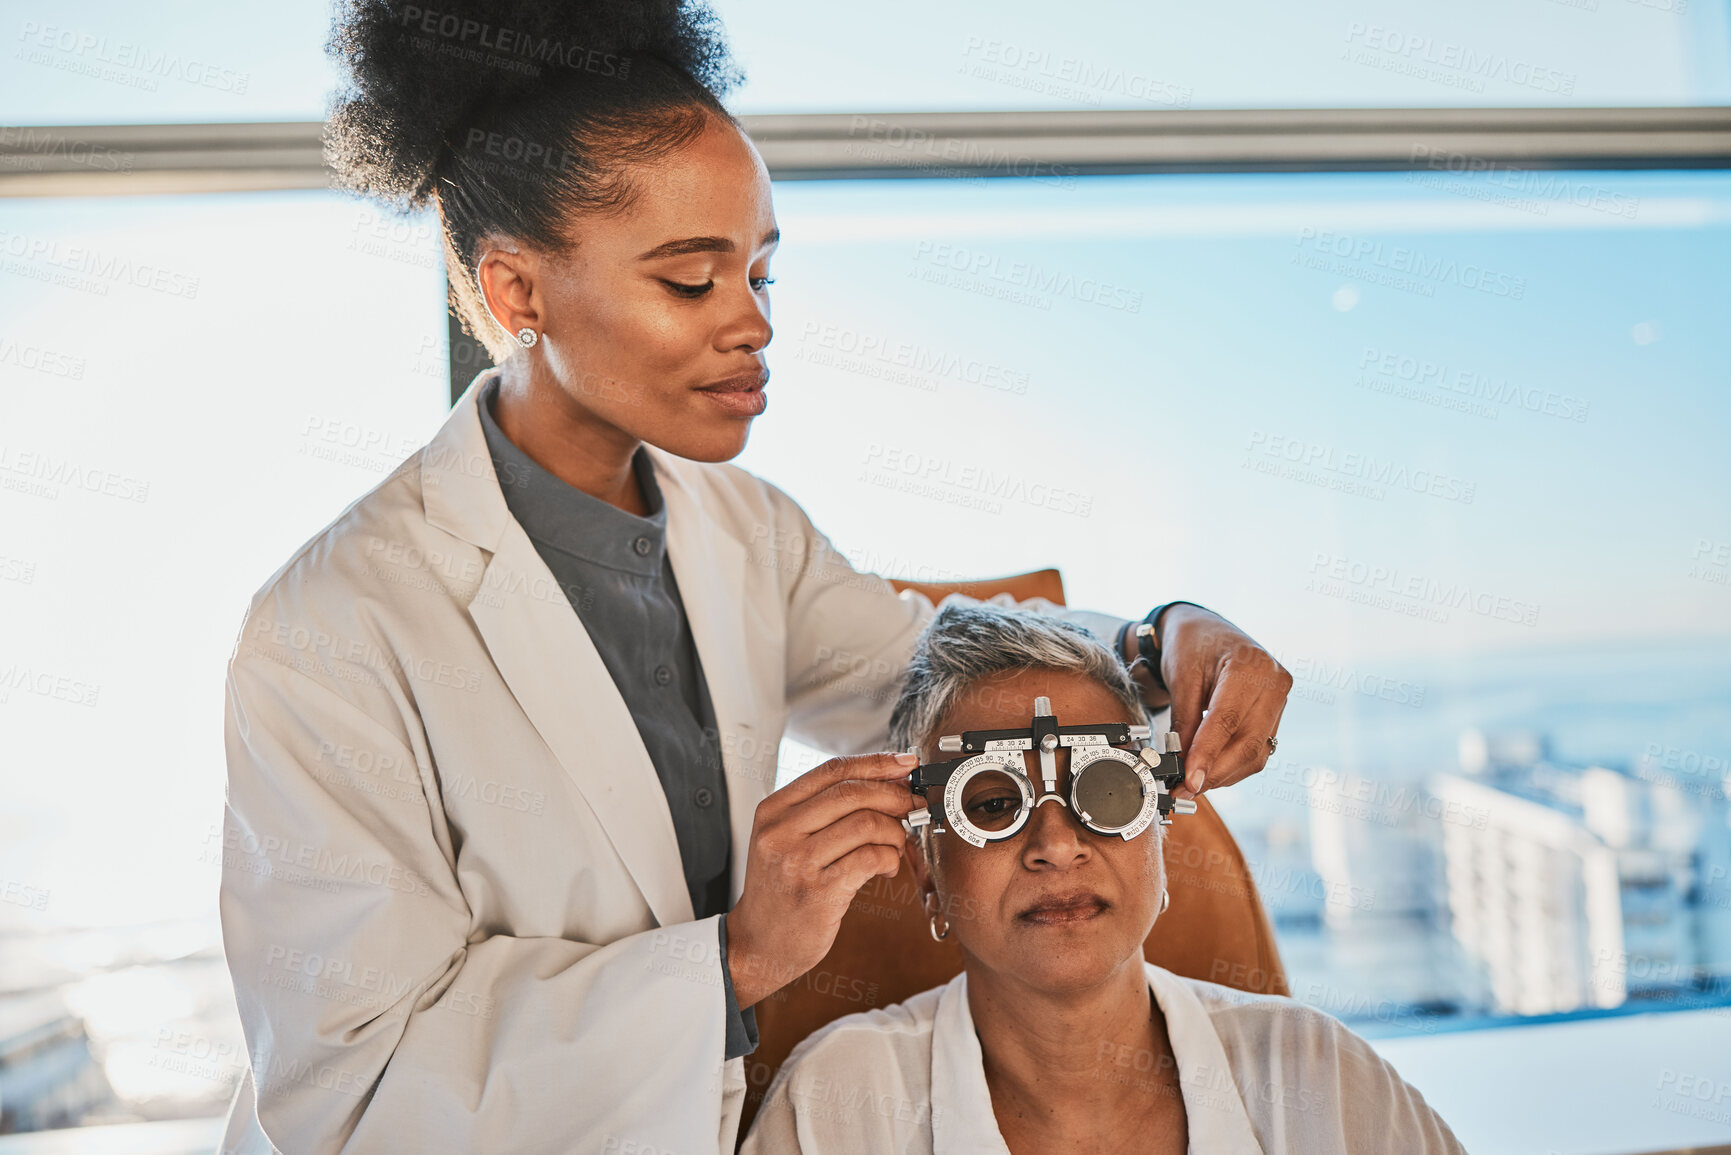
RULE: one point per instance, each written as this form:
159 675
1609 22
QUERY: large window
1451 441
1447 446
1453 448
189 389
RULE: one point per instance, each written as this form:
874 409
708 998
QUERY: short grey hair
965 643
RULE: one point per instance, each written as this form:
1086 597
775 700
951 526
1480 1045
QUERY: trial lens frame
1159 772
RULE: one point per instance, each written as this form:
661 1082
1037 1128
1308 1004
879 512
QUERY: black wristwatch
1148 639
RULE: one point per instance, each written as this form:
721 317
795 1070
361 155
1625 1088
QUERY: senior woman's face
1056 905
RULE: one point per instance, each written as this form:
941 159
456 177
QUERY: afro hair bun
418 75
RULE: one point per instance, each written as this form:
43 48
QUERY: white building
1388 950
1580 888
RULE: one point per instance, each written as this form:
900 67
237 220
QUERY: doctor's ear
506 276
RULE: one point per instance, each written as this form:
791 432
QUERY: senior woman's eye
991 800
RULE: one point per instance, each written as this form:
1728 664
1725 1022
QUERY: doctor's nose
747 329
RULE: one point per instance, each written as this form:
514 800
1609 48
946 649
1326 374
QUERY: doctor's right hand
814 843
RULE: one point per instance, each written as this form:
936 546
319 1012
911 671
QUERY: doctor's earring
527 337
1165 899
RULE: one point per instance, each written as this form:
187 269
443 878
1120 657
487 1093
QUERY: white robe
1259 1074
452 899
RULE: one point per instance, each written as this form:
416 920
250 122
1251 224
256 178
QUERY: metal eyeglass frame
1160 771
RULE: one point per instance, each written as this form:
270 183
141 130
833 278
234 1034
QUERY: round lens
991 800
1109 794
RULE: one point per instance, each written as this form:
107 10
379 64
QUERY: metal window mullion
195 158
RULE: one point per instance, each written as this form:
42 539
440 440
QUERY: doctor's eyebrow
686 245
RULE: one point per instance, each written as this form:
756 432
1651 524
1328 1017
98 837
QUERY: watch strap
1148 643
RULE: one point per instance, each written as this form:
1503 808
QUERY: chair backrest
1215 928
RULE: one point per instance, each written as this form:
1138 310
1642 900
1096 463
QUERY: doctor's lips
1071 906
742 394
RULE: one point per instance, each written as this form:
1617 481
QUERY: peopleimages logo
40 359
29 149
509 47
1446 62
102 269
272 852
104 58
1529 189
1390 587
43 474
1362 467
1320 673
885 140
862 352
1023 277
1471 385
1040 70
931 475
45 683
1422 268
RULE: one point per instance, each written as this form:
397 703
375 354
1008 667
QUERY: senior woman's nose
1054 839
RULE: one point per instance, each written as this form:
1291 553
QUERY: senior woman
1058 1036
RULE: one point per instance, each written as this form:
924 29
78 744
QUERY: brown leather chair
1215 929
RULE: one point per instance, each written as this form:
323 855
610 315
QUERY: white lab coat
1260 1075
452 899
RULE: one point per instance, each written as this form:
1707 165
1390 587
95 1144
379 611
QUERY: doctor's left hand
1227 694
814 843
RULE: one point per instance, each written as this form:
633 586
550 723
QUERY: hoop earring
932 925
1165 900
527 337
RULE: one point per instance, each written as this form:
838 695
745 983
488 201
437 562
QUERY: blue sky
265 62
1236 354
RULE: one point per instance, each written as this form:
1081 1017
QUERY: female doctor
503 868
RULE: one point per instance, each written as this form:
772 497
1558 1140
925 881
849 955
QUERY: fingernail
1194 780
909 760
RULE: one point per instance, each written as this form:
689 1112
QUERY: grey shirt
614 569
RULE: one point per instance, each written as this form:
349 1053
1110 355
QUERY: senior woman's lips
1071 906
